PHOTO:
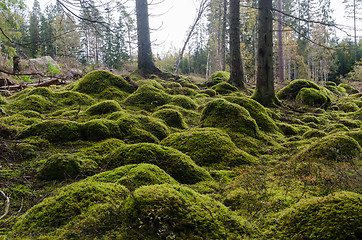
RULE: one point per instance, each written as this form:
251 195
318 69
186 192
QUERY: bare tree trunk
280 43
236 70
223 38
355 31
203 6
145 57
264 92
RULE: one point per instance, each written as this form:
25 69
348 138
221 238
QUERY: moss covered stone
336 127
55 130
59 166
210 92
349 89
134 176
218 77
257 112
172 118
312 97
175 163
35 103
336 216
71 210
177 212
288 129
224 88
147 98
337 147
209 147
97 81
232 117
347 106
104 107
314 133
292 89
154 126
184 102
70 98
100 129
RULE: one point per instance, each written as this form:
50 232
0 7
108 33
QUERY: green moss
134 176
347 106
59 166
72 208
336 216
154 126
183 101
288 129
337 127
70 98
35 103
100 129
208 147
337 147
172 118
174 162
349 89
210 92
310 118
104 107
292 89
3 100
177 212
224 88
338 91
54 130
312 97
189 116
350 123
356 135
26 151
31 114
152 82
147 98
218 77
113 93
229 116
314 133
97 81
257 112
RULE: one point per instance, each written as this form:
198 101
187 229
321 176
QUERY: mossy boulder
229 116
314 133
134 176
80 209
209 147
336 127
54 130
147 98
100 129
184 102
210 92
336 216
224 88
288 129
103 107
312 97
70 98
338 147
97 81
177 212
347 106
356 135
59 166
175 163
291 91
172 118
257 112
350 90
35 103
218 77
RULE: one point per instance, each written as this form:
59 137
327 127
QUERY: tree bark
264 92
145 57
280 43
236 70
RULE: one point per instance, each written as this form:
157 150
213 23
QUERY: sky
173 18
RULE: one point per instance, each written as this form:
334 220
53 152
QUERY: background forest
104 34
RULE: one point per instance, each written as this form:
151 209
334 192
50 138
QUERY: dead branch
7 205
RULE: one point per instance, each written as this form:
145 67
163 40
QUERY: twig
7 205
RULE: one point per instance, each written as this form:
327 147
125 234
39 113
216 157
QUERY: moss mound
174 162
312 97
59 166
134 176
184 102
147 98
176 212
54 130
97 81
100 129
70 98
218 77
173 118
210 92
349 89
35 103
229 116
336 216
104 107
292 89
224 88
336 147
72 208
314 133
3 100
208 147
347 106
257 112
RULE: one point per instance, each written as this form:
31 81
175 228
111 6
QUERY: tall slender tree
145 57
264 92
280 43
236 69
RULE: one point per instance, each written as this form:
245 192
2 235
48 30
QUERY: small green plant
53 69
